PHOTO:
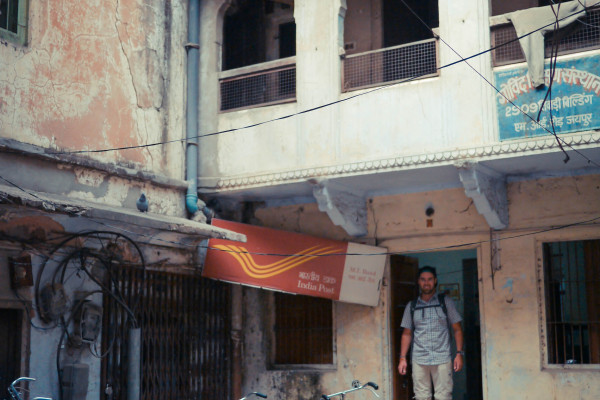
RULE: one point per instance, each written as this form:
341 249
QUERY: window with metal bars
572 296
11 333
582 35
13 20
399 46
185 336
303 331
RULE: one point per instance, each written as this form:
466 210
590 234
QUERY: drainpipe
134 350
191 150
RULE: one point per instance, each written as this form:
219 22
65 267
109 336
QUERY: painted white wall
453 110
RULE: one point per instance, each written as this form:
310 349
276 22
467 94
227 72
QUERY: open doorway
457 276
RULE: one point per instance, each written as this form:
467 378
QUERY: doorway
457 277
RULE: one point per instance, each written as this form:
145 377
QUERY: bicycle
264 396
15 394
355 386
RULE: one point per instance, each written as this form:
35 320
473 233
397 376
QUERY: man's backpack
442 305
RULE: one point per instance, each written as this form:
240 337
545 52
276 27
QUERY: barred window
389 41
572 294
11 345
13 20
582 35
303 331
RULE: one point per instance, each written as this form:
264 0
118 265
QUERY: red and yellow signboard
297 263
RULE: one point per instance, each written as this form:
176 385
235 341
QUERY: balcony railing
258 85
391 64
580 35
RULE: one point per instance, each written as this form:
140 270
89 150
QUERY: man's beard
429 290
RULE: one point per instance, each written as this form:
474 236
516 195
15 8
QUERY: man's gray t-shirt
431 338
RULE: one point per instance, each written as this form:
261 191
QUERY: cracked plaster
79 84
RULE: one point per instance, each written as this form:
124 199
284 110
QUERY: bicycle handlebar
264 396
358 387
23 378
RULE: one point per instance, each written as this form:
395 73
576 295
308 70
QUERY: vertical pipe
133 367
236 340
191 150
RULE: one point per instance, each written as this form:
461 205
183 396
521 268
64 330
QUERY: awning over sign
297 263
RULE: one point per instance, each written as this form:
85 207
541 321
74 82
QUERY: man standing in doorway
426 322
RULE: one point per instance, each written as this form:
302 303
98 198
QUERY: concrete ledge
126 172
118 216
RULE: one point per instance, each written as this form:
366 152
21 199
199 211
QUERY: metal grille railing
572 287
259 88
413 60
185 336
581 35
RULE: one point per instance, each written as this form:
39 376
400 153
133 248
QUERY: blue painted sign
573 106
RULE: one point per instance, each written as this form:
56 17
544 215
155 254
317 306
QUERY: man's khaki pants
441 375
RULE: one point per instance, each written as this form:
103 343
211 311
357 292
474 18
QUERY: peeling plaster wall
90 184
509 303
98 75
42 233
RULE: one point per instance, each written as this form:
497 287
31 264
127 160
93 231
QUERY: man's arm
458 337
404 346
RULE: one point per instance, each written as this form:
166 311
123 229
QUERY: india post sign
574 105
296 263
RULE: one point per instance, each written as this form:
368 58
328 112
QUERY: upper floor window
259 41
572 296
581 35
255 31
506 6
13 21
389 40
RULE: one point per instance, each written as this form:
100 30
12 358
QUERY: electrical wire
330 103
181 244
590 161
62 337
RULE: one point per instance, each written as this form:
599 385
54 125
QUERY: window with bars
256 34
582 35
303 331
389 41
572 296
185 349
11 344
13 21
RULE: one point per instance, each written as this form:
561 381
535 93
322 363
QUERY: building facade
97 286
414 126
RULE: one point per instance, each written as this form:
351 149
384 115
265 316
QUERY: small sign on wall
573 105
450 289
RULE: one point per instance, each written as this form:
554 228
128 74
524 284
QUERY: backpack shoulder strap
413 306
442 300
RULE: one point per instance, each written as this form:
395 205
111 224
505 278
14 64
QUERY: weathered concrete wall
361 330
510 310
98 76
27 230
92 181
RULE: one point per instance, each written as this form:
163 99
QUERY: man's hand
402 366
458 362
